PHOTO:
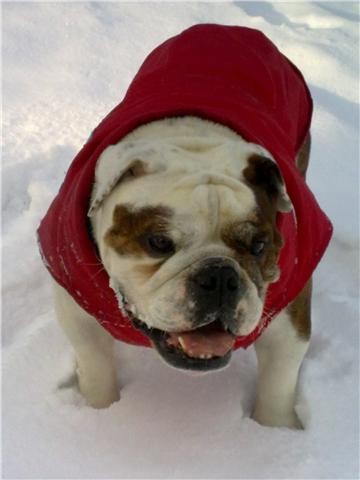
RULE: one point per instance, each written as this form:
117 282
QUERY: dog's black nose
219 285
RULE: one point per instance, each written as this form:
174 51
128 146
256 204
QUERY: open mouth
205 348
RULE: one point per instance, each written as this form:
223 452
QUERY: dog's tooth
132 309
189 351
183 346
182 343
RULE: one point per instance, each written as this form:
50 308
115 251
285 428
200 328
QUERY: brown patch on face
130 225
148 270
244 236
262 177
300 312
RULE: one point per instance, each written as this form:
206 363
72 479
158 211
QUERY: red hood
231 75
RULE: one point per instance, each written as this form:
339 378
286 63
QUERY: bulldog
185 222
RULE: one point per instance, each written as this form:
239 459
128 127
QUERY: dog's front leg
93 346
280 351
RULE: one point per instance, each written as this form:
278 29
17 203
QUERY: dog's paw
103 402
99 397
278 419
99 392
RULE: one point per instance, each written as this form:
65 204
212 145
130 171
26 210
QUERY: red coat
231 75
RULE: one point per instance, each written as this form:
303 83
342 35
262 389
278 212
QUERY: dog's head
186 229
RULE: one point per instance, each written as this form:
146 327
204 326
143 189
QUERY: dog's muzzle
215 290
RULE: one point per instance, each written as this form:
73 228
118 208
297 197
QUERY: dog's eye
257 248
158 245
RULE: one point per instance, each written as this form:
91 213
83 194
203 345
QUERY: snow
65 66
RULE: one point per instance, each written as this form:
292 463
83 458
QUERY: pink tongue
199 343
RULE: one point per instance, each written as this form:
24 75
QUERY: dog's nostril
232 283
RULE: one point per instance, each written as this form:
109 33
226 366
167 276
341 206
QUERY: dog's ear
264 173
118 163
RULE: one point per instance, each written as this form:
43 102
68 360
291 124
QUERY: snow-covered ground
65 66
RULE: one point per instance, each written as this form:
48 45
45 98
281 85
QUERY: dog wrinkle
130 224
214 207
207 200
148 270
216 202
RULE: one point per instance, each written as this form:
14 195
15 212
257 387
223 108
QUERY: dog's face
186 229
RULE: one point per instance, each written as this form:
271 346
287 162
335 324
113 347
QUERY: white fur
96 370
196 229
279 352
194 167
179 145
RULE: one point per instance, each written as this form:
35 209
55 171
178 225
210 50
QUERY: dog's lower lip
178 357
